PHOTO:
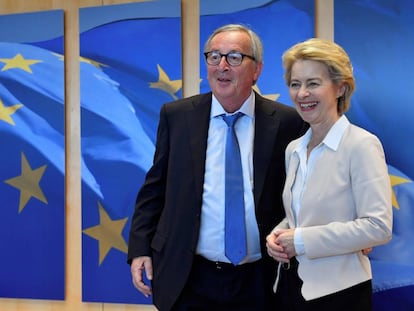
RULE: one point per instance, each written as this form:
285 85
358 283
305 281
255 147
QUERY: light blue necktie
235 226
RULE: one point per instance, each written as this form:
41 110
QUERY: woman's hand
275 247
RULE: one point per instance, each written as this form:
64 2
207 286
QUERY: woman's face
313 93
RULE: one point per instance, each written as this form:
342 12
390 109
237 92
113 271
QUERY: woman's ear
342 89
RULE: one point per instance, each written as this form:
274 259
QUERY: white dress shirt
211 239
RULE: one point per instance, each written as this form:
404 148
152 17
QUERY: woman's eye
313 84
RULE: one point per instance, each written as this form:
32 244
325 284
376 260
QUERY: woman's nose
303 92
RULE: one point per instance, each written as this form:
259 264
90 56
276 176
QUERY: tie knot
231 119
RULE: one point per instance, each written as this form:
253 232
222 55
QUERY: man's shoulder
268 101
277 107
193 98
188 102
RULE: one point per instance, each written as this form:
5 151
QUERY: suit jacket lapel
266 126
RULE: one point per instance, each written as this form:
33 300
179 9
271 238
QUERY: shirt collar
334 136
247 108
331 140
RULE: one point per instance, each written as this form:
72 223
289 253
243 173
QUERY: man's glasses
232 58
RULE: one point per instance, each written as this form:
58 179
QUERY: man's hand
138 265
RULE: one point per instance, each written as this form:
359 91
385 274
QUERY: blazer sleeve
150 198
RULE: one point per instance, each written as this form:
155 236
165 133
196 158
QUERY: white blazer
346 208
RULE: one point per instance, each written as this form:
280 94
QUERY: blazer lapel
266 127
290 179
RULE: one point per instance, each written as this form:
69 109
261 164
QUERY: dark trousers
289 297
223 287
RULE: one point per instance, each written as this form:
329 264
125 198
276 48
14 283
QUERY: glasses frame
226 56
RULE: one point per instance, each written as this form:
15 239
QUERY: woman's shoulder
360 142
356 134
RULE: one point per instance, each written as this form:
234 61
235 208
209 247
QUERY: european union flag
32 174
118 151
124 81
379 38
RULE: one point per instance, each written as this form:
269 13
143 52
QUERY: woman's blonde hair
332 56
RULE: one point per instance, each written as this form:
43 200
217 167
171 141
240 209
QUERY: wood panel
191 47
324 19
24 6
73 292
88 3
21 6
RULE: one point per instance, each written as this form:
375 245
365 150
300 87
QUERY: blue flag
380 42
381 55
124 82
32 175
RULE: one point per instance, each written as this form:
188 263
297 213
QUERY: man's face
232 84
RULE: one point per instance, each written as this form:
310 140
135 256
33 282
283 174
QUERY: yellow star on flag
108 233
395 181
165 84
28 183
6 112
18 62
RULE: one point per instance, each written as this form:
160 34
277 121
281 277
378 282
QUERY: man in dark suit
177 230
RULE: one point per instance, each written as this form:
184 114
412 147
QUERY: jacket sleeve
150 198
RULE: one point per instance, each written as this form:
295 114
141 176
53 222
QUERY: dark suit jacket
166 221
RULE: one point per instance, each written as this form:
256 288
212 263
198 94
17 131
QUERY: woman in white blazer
337 194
